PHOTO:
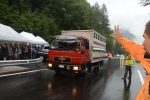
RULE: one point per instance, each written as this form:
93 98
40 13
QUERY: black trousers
128 69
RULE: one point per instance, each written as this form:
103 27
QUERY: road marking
22 72
141 78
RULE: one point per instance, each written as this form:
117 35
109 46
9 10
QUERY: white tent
31 37
9 34
43 42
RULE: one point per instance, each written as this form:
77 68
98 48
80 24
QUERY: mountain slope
127 34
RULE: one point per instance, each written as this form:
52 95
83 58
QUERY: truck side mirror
50 41
87 46
82 50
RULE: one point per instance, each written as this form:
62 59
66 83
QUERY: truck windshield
65 44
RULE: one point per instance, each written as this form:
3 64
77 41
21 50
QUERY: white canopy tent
42 40
10 35
31 37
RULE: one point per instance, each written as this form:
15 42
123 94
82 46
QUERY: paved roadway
37 83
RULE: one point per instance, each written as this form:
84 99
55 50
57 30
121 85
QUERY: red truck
77 51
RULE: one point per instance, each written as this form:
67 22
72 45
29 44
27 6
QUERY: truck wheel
96 69
57 71
101 63
85 72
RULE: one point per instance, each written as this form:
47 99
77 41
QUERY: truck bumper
65 67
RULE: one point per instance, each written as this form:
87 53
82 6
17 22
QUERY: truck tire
96 69
101 63
85 73
87 68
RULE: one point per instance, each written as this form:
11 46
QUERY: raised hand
117 35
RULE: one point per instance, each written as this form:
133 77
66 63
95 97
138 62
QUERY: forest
47 18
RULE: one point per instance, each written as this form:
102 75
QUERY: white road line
22 72
141 78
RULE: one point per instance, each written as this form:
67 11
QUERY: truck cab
68 53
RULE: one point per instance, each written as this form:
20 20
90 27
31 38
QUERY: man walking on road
138 52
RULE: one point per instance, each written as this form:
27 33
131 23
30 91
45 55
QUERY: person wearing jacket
5 52
129 61
109 55
138 51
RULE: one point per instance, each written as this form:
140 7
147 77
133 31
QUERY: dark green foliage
118 49
47 18
145 2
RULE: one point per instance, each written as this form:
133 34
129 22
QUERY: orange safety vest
109 55
138 51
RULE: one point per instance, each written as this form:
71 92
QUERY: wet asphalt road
106 84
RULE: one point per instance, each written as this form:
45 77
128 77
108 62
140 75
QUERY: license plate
61 66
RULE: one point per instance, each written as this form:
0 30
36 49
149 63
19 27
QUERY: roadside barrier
20 62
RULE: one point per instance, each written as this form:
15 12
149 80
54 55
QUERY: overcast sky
129 14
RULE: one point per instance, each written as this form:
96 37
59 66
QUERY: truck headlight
49 65
75 68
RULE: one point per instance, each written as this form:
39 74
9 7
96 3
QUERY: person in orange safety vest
138 51
109 55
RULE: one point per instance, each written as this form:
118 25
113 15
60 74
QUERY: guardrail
20 62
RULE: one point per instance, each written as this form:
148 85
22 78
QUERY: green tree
99 21
145 2
47 18
118 49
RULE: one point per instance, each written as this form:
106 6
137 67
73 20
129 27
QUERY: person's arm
136 50
127 58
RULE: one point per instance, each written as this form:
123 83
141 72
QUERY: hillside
127 34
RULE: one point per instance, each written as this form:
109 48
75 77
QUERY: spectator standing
23 51
31 51
20 52
26 54
10 50
15 52
5 52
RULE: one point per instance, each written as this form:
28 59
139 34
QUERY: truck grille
62 59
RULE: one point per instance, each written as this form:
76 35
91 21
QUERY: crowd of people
9 51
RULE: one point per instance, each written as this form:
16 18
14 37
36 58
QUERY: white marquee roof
9 34
42 40
35 40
